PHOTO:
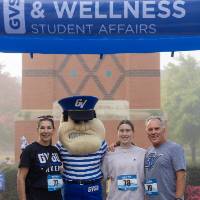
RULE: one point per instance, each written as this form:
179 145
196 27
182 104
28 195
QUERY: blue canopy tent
99 26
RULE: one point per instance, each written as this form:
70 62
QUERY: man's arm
180 183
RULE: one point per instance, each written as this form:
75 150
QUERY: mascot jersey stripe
86 167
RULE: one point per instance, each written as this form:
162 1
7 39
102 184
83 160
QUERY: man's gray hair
152 117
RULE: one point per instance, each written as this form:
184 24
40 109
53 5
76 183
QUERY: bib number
151 187
127 182
55 182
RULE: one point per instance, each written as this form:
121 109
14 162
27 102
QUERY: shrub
10 172
193 175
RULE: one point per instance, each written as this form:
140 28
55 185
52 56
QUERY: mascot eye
79 122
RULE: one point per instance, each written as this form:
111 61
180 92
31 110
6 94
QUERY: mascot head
80 132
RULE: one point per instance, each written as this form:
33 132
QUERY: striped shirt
82 167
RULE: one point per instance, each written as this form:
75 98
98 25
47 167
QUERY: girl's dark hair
126 121
45 118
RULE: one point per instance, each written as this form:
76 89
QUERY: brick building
128 86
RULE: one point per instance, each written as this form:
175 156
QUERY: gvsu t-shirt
161 165
41 161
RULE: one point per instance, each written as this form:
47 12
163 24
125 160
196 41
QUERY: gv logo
80 103
43 157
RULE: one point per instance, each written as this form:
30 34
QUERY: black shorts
42 194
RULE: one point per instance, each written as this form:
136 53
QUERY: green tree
9 106
181 101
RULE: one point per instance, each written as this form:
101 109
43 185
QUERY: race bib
55 182
151 187
127 182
